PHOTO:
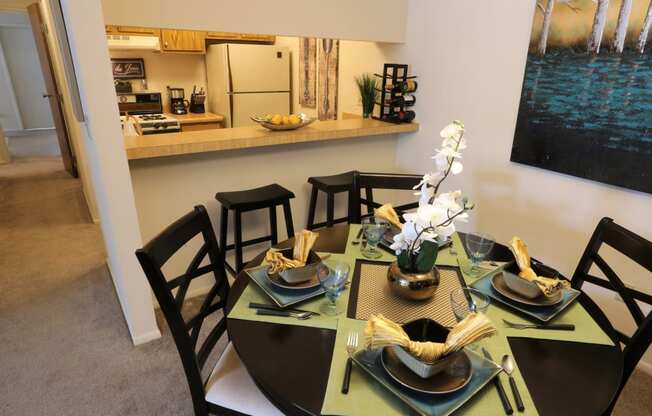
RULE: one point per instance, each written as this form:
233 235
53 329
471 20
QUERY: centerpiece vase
412 286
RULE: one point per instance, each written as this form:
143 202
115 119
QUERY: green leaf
404 260
427 256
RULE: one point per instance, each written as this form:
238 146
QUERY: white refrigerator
247 80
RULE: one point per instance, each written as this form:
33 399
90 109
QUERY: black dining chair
639 250
373 181
228 390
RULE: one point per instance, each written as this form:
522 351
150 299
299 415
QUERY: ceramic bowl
300 274
425 330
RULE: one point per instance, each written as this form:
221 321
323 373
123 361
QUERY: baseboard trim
29 132
145 338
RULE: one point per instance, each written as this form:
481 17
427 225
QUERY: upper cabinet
183 41
132 30
242 37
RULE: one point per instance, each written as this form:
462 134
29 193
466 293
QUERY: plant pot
412 286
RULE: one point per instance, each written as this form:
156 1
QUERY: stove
156 123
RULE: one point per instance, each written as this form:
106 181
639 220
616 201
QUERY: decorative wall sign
329 50
129 68
308 72
586 103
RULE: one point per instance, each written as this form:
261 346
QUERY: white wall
470 57
25 71
104 149
375 20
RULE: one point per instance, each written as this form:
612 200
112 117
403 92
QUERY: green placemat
253 293
354 249
367 397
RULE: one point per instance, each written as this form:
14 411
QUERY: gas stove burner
149 117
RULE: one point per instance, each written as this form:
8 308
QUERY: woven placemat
373 296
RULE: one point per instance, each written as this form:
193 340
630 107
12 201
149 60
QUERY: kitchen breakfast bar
173 171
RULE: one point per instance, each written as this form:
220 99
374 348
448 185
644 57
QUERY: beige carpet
64 346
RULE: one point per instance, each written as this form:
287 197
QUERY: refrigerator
248 80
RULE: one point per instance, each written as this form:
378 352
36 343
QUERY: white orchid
434 220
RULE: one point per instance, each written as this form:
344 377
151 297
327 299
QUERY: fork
351 345
563 327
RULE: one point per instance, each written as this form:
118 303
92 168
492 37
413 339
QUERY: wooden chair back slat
372 181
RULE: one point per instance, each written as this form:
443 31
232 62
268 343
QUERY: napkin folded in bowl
548 285
388 213
382 332
303 242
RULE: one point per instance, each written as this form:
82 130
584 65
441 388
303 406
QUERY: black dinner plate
453 378
498 283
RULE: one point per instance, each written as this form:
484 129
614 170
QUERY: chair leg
238 241
330 208
312 208
289 225
272 225
369 195
224 223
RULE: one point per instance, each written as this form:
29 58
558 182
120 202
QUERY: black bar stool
269 197
332 185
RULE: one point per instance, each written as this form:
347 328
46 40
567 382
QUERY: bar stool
269 197
331 185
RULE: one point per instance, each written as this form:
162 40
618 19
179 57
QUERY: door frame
53 94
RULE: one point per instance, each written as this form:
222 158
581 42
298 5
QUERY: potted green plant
368 93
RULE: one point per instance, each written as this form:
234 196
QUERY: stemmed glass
333 284
374 229
478 245
466 300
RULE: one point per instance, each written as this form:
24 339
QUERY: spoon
508 366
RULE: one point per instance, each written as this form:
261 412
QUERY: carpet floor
64 345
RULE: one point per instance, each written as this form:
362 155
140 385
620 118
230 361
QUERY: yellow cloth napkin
303 242
387 212
548 285
381 332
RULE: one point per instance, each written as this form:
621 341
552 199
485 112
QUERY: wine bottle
401 100
403 87
402 116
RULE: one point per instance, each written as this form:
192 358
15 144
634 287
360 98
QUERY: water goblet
467 300
478 245
374 229
333 284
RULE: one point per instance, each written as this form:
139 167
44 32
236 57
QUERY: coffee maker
178 103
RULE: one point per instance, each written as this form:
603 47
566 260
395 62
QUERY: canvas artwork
586 102
308 72
329 50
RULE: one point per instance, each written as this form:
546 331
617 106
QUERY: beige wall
168 69
76 131
475 75
374 20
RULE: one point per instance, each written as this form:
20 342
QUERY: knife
254 305
499 386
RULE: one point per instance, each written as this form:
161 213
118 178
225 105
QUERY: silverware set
560 327
351 346
499 386
273 310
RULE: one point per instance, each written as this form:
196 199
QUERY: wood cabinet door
258 38
224 35
182 40
110 29
134 30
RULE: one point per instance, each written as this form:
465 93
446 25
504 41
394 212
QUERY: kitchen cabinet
244 37
183 41
132 30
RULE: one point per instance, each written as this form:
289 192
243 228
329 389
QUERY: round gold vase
412 286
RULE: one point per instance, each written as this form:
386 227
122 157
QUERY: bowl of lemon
283 122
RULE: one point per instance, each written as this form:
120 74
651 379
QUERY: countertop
170 144
193 118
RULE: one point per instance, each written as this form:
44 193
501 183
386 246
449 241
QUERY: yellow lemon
294 119
277 119
286 120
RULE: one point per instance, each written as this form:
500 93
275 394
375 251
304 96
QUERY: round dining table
291 363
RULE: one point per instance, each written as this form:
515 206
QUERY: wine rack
396 88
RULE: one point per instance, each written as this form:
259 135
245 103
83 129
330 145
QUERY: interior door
52 91
259 68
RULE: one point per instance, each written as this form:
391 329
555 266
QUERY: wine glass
478 245
333 284
466 300
374 229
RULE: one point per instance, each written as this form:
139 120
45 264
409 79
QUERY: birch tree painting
586 101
